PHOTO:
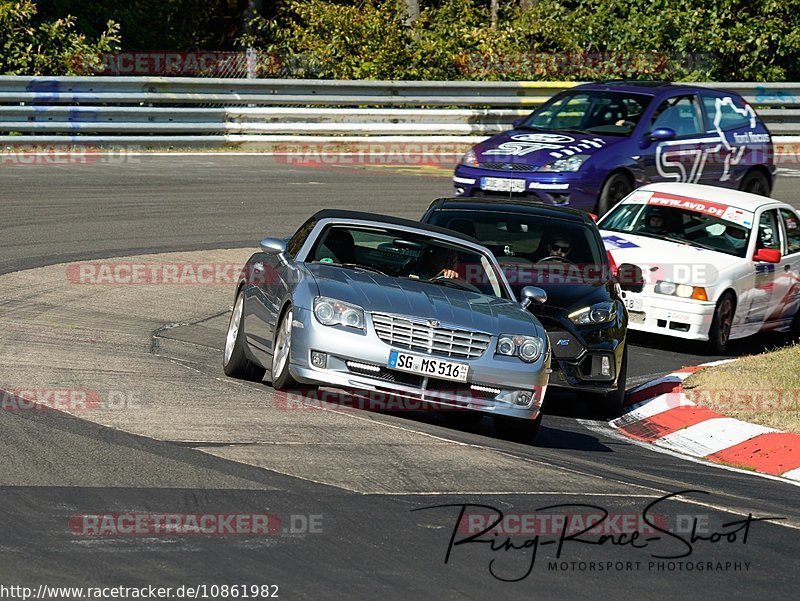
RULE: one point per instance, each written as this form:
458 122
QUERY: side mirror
630 277
661 134
273 246
532 294
767 255
518 121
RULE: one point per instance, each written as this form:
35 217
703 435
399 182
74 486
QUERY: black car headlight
527 348
599 313
332 312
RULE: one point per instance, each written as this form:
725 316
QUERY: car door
268 283
765 287
788 271
730 120
682 158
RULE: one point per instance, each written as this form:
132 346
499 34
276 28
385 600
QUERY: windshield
412 256
693 227
533 250
596 112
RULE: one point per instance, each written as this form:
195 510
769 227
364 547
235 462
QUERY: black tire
795 330
720 330
755 182
615 188
234 361
612 402
281 353
516 429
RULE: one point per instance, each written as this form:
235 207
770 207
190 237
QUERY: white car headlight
599 313
527 348
681 290
569 164
470 159
332 312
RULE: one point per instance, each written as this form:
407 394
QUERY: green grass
762 389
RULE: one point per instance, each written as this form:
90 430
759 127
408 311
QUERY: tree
30 45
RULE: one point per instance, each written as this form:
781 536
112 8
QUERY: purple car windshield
590 111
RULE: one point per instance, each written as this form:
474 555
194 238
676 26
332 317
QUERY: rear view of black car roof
511 206
363 216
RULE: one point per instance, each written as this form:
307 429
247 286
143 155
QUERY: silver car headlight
599 313
527 348
569 164
332 312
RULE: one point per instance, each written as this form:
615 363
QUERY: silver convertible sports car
388 306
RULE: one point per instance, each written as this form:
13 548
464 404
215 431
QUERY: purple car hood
540 147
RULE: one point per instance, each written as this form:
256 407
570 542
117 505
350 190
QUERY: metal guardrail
197 110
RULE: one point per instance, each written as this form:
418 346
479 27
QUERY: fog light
523 398
605 366
459 191
319 359
489 389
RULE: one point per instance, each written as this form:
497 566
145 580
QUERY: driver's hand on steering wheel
447 273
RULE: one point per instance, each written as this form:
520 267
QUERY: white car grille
432 338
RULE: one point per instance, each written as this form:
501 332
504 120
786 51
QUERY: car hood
540 147
669 261
400 296
573 294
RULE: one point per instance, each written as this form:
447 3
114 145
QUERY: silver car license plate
503 184
428 366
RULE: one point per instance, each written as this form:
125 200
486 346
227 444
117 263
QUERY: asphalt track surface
56 465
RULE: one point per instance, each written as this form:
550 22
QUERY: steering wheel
555 258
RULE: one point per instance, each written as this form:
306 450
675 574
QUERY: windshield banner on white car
705 207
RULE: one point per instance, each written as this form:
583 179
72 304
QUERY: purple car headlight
569 164
470 159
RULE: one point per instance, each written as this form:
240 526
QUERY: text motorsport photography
511 543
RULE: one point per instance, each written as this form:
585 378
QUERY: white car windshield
413 256
685 226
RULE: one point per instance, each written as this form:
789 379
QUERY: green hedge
552 40
731 40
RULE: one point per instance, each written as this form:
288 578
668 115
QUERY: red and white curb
660 413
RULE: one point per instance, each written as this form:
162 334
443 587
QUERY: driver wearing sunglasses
559 246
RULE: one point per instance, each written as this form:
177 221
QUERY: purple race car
590 146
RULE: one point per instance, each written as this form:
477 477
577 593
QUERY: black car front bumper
585 361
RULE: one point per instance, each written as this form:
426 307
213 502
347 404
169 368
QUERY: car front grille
419 335
508 167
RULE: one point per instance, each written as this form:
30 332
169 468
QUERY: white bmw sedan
716 264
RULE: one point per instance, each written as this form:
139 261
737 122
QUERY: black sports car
559 250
